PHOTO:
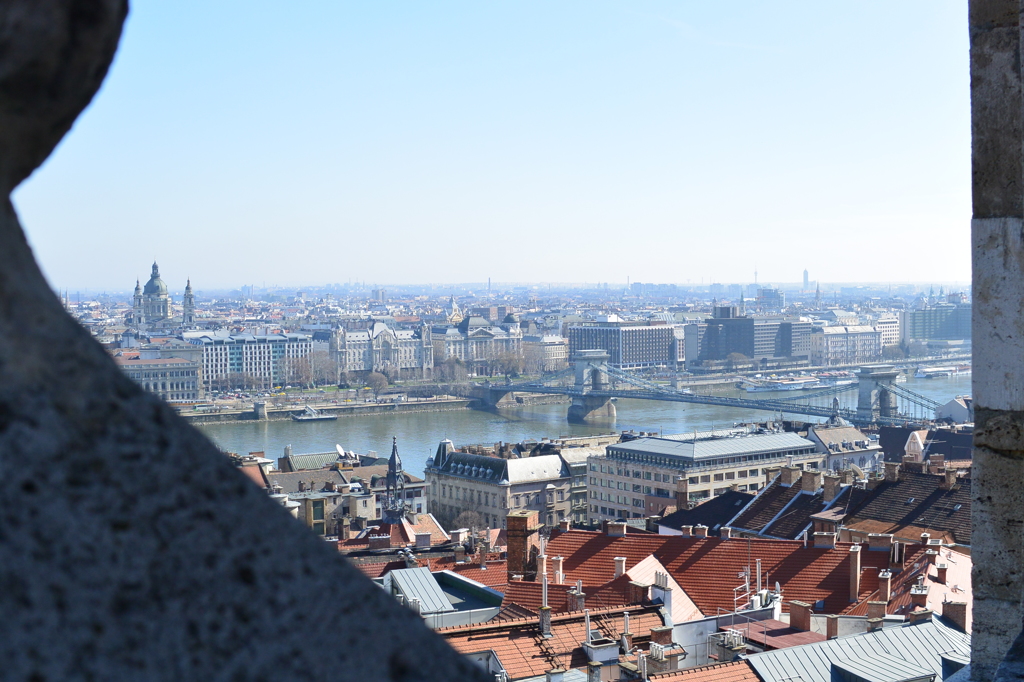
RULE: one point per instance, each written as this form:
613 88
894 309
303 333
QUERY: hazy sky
396 142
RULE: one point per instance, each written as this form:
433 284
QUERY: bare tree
508 364
468 519
377 382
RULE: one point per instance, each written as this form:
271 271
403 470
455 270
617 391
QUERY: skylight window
910 500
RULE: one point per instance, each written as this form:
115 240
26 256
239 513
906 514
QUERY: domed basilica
151 306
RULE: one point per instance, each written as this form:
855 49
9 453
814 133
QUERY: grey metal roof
920 645
418 583
714 447
543 468
881 668
313 460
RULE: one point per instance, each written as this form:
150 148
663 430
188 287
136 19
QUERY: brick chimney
700 531
725 533
936 463
831 487
544 615
956 611
940 573
789 475
557 565
919 616
616 529
800 615
919 596
854 573
876 609
577 598
620 565
832 626
594 671
880 542
824 540
564 525
885 586
380 541
662 635
638 592
522 525
846 477
686 531
931 555
682 492
892 472
345 528
949 479
770 473
460 553
810 480
924 538
874 624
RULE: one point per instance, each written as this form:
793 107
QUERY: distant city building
941 322
756 338
845 345
176 380
769 298
477 342
404 352
630 345
547 353
642 477
889 328
248 360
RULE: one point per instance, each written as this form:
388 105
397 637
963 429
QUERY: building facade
476 342
382 349
642 477
492 487
629 345
547 353
942 322
249 361
757 338
845 345
176 380
151 304
888 327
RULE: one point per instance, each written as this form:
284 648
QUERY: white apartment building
845 345
889 328
247 360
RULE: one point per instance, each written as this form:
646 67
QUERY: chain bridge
592 384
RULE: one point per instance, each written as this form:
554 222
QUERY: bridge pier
874 400
590 409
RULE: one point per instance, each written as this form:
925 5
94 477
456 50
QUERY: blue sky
398 142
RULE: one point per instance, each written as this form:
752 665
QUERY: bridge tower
590 377
874 399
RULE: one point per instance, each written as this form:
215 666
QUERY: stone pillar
997 240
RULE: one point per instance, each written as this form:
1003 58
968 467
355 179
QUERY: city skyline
413 144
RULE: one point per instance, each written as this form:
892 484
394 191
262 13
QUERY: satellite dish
778 588
341 450
857 470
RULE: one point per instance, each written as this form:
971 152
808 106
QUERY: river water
418 433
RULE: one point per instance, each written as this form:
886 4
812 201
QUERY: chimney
545 621
800 615
854 573
638 592
949 479
924 538
789 475
700 531
885 586
521 527
824 540
627 636
931 555
879 542
919 616
831 485
344 528
460 553
686 531
919 596
594 671
616 529
564 525
577 598
874 624
810 480
662 635
542 565
892 472
770 473
936 463
726 533
940 573
554 675
557 564
620 565
956 611
846 477
423 539
832 626
876 609
682 492
380 541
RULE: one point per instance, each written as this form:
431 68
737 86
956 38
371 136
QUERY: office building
942 322
630 345
248 361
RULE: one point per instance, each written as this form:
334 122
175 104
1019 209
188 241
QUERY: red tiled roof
524 653
737 671
708 568
496 574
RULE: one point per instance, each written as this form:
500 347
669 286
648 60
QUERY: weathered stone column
998 330
130 548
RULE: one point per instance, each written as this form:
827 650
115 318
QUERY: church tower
393 504
188 305
138 311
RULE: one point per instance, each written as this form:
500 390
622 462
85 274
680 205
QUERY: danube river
418 433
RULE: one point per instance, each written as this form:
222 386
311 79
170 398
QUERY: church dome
155 285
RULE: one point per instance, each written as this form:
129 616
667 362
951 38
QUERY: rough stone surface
998 330
129 547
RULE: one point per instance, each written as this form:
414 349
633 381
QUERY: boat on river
311 415
794 384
